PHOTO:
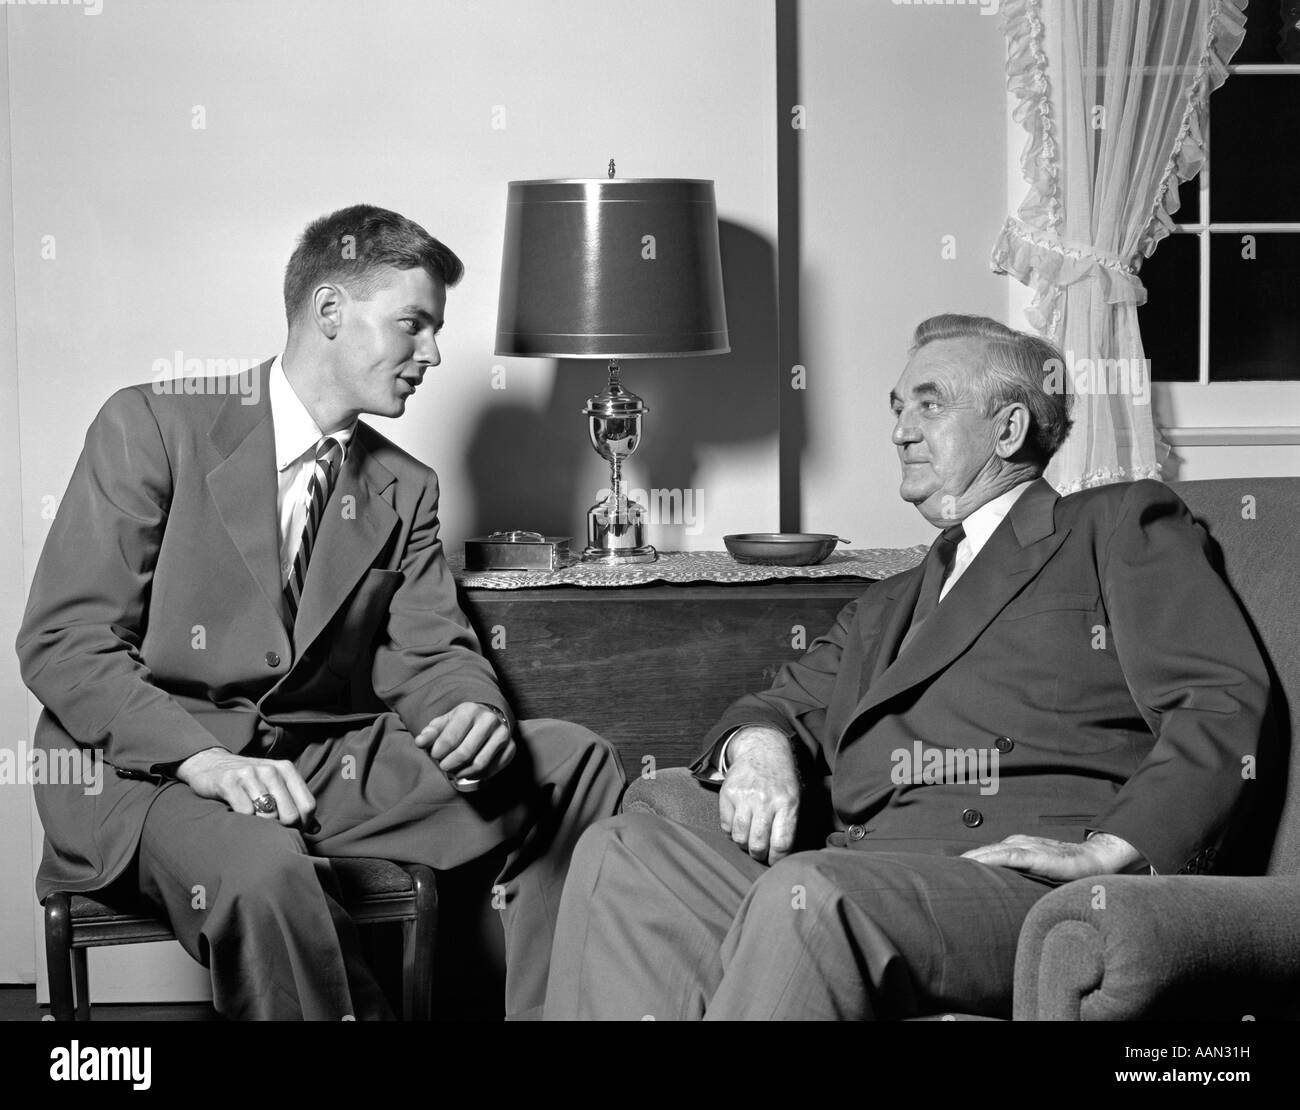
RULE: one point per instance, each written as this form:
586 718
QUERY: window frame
1225 413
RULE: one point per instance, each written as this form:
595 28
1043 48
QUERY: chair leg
419 937
58 954
81 977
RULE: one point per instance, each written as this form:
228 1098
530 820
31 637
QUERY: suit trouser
257 903
660 920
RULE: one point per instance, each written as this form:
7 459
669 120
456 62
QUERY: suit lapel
885 626
244 487
354 528
1013 555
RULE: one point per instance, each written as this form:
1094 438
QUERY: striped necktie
329 453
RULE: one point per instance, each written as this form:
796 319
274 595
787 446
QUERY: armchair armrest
1122 947
676 794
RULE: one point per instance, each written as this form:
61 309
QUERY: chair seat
359 879
93 923
85 907
368 878
374 891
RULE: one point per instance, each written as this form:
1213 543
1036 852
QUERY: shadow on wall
537 470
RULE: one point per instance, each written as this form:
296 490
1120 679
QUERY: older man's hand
759 802
1060 860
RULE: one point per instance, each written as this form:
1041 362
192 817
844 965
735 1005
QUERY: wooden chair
375 892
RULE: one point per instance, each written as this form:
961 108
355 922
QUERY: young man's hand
238 780
471 741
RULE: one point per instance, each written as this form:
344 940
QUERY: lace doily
692 566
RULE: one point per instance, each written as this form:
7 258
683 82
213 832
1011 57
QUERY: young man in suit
246 609
1065 688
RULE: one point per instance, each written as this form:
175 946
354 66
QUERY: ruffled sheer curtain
1114 95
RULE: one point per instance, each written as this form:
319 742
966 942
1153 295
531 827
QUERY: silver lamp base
616 526
643 554
614 538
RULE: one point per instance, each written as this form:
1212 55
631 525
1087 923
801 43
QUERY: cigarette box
517 551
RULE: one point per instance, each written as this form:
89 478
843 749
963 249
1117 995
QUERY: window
1224 290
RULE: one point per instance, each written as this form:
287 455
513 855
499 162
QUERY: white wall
17 951
903 146
172 238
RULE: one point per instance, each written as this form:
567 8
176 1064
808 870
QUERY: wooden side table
651 668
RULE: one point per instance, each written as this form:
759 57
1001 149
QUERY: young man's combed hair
353 245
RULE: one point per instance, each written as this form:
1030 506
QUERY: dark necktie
938 561
329 454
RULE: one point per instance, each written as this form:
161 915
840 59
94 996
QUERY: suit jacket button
856 832
272 659
971 818
1004 744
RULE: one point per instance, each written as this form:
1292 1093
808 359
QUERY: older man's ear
1013 430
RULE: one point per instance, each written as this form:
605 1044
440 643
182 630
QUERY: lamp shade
614 268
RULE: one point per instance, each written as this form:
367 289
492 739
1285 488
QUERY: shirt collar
296 433
983 522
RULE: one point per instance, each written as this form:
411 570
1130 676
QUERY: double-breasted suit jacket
1090 656
156 624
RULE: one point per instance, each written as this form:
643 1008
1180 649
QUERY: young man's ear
327 309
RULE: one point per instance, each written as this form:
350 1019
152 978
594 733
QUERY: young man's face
386 343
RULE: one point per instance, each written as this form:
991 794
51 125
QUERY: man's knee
888 893
636 836
621 831
561 751
568 737
797 883
270 867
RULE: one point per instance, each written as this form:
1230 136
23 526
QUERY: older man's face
946 445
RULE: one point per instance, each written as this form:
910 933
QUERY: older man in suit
1064 688
243 604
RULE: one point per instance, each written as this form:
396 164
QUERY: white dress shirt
296 439
979 526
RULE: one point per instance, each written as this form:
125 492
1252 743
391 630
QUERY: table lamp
612 269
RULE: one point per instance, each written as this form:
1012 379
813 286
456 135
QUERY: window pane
1255 149
1254 307
1170 320
1189 198
1264 41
